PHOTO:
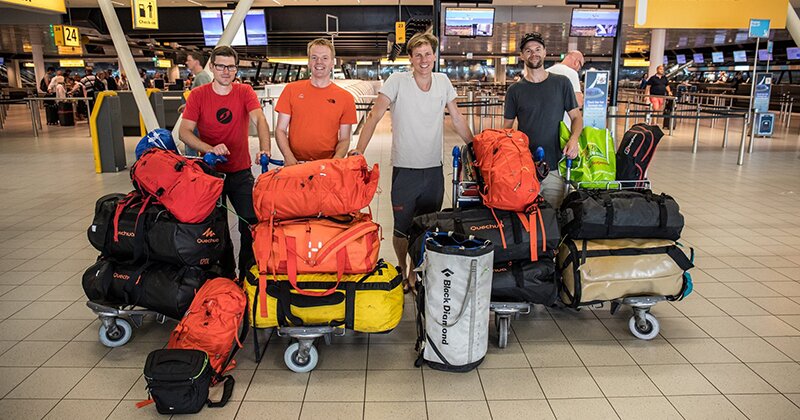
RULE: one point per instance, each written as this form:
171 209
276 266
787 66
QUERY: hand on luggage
571 149
212 159
354 152
264 160
220 149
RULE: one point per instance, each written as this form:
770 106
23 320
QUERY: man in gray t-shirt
538 102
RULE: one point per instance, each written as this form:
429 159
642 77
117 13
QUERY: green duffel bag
596 164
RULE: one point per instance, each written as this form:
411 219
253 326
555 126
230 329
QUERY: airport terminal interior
730 349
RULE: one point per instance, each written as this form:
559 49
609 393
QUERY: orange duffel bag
509 175
326 187
343 246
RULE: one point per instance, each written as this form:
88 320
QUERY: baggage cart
118 321
642 324
465 193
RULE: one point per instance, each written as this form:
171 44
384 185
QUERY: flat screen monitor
793 53
698 58
666 60
718 57
764 55
594 22
469 21
740 56
252 32
680 58
2 61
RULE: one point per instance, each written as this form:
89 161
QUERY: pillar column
572 44
173 74
658 38
38 63
12 69
500 72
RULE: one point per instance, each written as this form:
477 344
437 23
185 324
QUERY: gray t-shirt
417 119
200 79
539 108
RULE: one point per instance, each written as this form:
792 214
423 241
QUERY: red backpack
186 187
506 165
212 324
326 187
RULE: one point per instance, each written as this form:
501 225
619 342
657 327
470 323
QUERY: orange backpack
212 324
326 187
507 168
304 246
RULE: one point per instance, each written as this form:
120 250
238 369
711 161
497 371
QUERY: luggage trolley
643 325
118 321
465 193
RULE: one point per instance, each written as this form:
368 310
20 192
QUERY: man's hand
355 152
571 149
289 161
220 150
261 153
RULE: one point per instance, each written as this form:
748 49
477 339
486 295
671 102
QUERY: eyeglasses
221 68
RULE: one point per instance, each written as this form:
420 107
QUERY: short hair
197 55
51 69
321 42
224 51
420 39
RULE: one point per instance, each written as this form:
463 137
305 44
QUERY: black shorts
415 192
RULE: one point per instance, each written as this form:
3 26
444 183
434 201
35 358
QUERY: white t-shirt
572 75
417 119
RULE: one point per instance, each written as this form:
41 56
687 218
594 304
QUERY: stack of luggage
522 226
161 242
317 252
622 243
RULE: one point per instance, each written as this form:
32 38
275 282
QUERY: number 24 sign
67 36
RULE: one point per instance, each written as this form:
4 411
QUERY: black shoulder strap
227 391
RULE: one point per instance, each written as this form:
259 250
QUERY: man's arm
262 127
669 91
345 135
571 148
579 98
507 124
459 122
187 136
282 138
647 89
379 108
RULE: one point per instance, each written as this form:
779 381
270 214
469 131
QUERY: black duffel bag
160 287
525 281
165 238
480 221
615 214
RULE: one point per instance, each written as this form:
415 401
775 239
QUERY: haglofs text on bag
507 169
614 214
636 151
186 187
163 288
594 271
304 246
367 303
126 230
327 187
453 302
525 281
213 323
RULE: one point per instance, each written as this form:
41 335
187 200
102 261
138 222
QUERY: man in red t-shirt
315 116
221 111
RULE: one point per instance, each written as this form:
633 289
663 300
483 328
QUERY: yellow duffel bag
369 303
594 271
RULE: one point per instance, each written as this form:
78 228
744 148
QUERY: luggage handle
473 278
291 268
227 392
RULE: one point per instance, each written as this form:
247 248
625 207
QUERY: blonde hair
321 42
420 39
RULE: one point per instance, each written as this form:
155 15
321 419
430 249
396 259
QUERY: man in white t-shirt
418 100
570 66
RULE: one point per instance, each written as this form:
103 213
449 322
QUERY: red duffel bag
186 187
326 187
509 174
342 246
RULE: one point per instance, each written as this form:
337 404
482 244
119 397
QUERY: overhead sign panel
708 14
145 14
55 6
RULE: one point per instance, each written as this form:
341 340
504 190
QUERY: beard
533 66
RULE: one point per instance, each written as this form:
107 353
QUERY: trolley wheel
649 332
502 332
295 362
118 335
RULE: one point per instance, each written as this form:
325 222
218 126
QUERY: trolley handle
456 157
266 160
212 159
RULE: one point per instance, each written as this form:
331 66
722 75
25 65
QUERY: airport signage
163 63
595 99
707 14
144 14
76 62
763 91
66 36
400 32
55 6
759 28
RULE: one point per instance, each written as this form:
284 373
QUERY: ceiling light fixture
195 2
118 3
277 2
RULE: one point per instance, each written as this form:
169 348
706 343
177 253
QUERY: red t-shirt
224 119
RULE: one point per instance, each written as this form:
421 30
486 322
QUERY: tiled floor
731 350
